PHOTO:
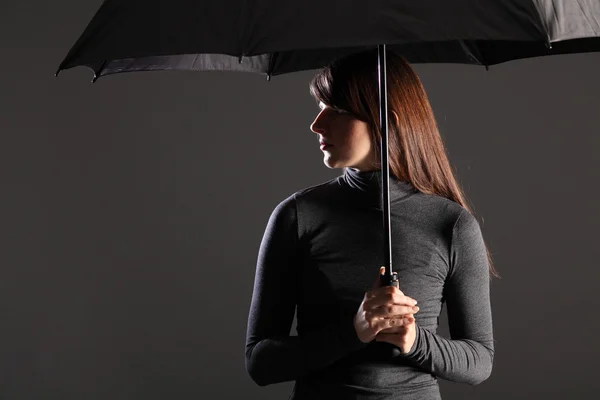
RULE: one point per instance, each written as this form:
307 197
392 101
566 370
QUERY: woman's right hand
382 307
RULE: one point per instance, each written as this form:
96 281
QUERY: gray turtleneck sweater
320 253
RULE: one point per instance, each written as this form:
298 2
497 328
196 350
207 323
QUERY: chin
333 165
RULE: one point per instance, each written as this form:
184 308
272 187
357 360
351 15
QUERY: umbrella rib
544 21
470 54
99 72
271 64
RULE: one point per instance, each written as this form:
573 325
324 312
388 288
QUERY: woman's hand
383 308
401 336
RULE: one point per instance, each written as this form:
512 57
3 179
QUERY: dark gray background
132 211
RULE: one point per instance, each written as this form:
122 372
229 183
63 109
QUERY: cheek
359 138
355 141
353 134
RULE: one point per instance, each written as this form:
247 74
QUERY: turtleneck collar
369 182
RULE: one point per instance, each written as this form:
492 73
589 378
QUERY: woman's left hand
402 336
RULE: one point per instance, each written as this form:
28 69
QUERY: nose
317 125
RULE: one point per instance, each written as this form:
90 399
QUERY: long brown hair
416 150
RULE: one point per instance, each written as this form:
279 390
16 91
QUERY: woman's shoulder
318 191
458 221
434 204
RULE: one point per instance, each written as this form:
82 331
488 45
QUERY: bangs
320 87
323 88
349 84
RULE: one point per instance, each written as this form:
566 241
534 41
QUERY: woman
323 244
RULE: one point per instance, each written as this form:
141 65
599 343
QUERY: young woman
323 245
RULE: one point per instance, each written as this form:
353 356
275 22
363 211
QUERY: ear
395 116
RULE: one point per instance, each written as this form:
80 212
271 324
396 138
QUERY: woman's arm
468 356
272 355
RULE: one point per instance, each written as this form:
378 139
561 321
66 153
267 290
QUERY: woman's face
348 140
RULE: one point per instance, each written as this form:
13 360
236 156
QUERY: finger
397 328
387 296
387 311
381 275
403 320
377 283
385 323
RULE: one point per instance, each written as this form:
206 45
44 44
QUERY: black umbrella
274 37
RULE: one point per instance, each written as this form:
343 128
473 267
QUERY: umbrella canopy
272 37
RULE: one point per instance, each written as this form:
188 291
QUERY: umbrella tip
241 58
95 78
57 72
268 77
549 44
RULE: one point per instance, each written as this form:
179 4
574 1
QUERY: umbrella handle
387 280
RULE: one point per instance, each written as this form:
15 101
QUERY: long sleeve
272 355
468 356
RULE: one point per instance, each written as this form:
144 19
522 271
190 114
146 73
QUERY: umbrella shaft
385 171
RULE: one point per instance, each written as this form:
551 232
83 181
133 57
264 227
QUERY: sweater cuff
414 349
